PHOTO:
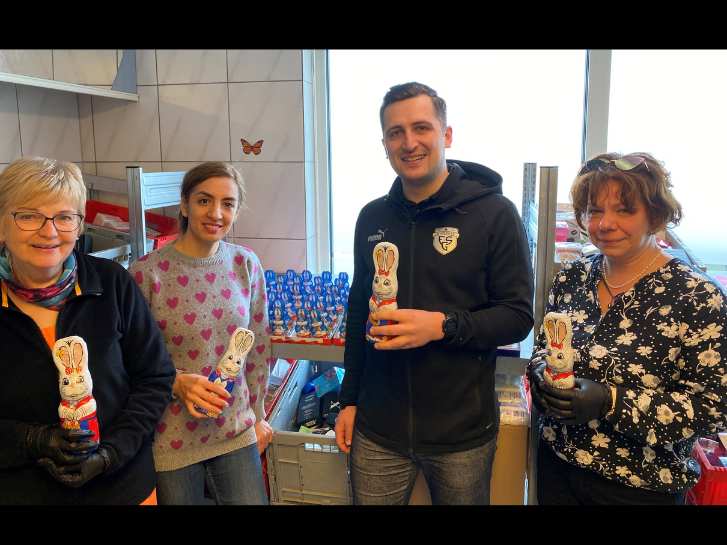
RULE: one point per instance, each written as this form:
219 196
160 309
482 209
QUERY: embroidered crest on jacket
445 239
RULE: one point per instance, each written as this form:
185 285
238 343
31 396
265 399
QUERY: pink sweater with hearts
198 303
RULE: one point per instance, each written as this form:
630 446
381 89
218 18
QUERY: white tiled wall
9 125
27 62
85 66
49 123
194 106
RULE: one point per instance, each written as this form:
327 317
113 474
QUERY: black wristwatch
449 326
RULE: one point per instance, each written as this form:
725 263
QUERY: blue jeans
235 478
380 476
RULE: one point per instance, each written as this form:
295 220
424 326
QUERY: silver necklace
617 286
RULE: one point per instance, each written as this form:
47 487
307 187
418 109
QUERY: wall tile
180 166
118 169
275 201
279 255
49 123
194 122
191 66
264 64
85 66
272 112
127 131
9 128
85 116
27 62
146 66
87 168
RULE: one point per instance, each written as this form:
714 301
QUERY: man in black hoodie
425 398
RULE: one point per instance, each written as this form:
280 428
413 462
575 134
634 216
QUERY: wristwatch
449 326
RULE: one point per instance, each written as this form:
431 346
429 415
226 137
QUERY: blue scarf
51 297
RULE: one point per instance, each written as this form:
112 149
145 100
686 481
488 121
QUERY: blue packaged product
330 381
270 276
326 277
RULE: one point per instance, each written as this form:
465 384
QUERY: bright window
672 105
505 108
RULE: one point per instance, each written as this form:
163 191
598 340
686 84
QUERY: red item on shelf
166 226
712 486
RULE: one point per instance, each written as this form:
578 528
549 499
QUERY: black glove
60 445
537 380
79 474
587 401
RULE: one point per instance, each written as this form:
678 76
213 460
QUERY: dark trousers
560 483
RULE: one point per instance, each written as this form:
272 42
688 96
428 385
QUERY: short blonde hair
32 179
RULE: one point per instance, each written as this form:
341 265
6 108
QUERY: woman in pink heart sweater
200 290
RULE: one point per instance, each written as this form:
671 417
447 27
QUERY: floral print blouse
663 346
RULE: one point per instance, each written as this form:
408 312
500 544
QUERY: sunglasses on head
624 164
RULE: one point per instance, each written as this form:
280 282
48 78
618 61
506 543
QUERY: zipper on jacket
412 240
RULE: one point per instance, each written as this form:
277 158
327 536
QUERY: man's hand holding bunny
61 445
413 328
588 400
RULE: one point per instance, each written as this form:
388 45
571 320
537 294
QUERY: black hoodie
440 397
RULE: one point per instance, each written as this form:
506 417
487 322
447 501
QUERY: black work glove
588 400
537 380
78 474
60 445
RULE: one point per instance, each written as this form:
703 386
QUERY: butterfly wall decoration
248 148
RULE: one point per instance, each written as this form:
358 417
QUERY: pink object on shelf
561 231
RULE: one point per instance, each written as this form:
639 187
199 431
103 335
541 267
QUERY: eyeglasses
624 164
33 221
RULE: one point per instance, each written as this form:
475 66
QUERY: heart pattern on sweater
190 318
226 293
162 324
232 275
210 277
156 287
144 257
173 302
139 277
193 354
246 292
230 434
249 366
177 339
206 370
192 425
161 427
163 265
201 296
260 348
219 349
248 422
241 310
253 399
230 401
176 444
217 313
258 317
175 408
183 280
206 334
239 259
204 438
231 329
220 421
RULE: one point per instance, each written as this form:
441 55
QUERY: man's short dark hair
411 90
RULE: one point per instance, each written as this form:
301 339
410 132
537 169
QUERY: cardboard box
507 486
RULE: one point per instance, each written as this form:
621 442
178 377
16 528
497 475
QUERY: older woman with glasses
650 346
48 452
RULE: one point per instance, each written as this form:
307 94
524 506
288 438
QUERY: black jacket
440 397
132 383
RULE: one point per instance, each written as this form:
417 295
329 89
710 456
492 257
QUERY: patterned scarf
51 297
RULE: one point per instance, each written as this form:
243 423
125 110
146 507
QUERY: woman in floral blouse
650 342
